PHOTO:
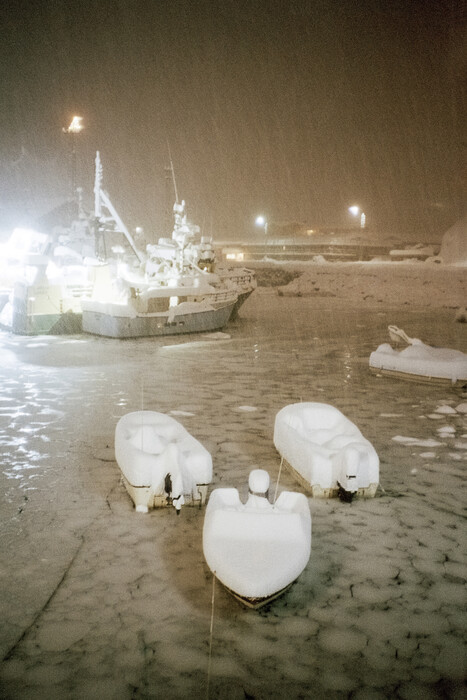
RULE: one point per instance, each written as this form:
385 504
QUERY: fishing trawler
50 274
191 253
94 278
174 290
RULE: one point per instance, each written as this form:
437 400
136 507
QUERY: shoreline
388 283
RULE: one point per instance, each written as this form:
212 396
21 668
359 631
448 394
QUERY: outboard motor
347 478
258 489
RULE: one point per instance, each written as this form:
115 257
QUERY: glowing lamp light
263 223
237 257
355 211
76 126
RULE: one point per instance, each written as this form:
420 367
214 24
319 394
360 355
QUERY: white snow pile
151 446
444 432
417 442
381 283
446 409
454 244
256 549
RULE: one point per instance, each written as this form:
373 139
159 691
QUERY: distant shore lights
263 223
355 211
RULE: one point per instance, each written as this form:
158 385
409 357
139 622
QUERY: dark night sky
292 109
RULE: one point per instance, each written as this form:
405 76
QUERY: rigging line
210 633
142 414
278 477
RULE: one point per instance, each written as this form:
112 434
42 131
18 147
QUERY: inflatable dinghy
419 362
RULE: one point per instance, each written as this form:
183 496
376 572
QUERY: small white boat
325 451
257 549
161 463
419 362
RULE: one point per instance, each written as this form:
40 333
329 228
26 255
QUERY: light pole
75 127
355 211
263 223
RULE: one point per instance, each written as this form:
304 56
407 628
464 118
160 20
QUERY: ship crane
102 199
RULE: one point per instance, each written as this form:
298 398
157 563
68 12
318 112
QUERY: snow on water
100 602
416 441
185 414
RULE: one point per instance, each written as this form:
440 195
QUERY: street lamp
263 223
355 211
75 127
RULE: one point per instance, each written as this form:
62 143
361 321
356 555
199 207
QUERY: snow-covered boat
160 461
162 312
171 288
41 295
188 253
256 549
419 362
194 252
326 451
240 279
50 274
168 294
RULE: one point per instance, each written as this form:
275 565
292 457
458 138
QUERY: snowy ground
101 602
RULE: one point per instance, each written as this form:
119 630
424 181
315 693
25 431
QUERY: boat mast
102 198
97 187
173 173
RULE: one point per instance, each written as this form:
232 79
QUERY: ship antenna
97 187
173 173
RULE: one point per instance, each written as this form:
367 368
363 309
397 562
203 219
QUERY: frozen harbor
99 601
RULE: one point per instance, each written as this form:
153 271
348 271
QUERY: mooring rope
210 633
278 477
